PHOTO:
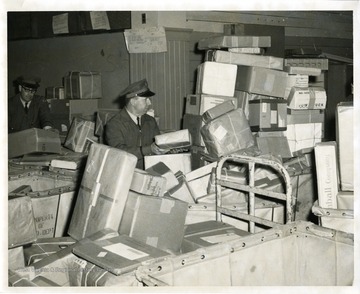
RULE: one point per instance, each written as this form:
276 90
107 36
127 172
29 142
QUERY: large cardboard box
73 107
176 162
21 223
248 60
267 115
345 140
118 255
274 146
218 42
80 135
263 81
83 85
33 140
16 258
156 221
197 104
216 78
103 191
327 174
307 98
227 134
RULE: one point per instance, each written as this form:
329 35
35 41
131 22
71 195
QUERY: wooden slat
245 17
307 32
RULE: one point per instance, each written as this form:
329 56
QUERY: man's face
27 94
141 105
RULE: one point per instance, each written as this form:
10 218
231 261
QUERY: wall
51 59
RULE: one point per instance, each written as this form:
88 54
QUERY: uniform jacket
38 115
123 133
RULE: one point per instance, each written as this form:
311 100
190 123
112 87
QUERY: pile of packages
83 215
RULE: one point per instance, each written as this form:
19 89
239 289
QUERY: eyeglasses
30 90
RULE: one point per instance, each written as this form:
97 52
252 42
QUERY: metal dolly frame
252 190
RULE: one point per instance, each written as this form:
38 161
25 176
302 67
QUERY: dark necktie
26 107
139 126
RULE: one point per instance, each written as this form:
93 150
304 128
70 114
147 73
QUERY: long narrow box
118 255
173 140
321 63
218 42
267 115
262 81
80 135
21 221
156 221
83 85
103 191
33 140
345 140
227 133
218 110
249 60
197 104
326 174
54 92
216 78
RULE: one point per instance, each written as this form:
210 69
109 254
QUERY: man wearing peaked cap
132 130
26 109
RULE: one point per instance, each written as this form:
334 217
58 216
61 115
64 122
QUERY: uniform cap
136 89
29 82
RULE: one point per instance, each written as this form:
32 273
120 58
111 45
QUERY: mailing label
166 205
220 133
126 251
221 238
269 82
273 117
102 254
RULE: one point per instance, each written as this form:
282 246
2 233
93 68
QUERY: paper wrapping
173 140
146 183
218 42
16 258
302 70
21 223
156 221
249 60
176 162
103 191
321 63
307 98
263 81
304 136
227 134
304 116
80 135
216 78
161 169
83 85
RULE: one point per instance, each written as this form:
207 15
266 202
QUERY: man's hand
157 150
